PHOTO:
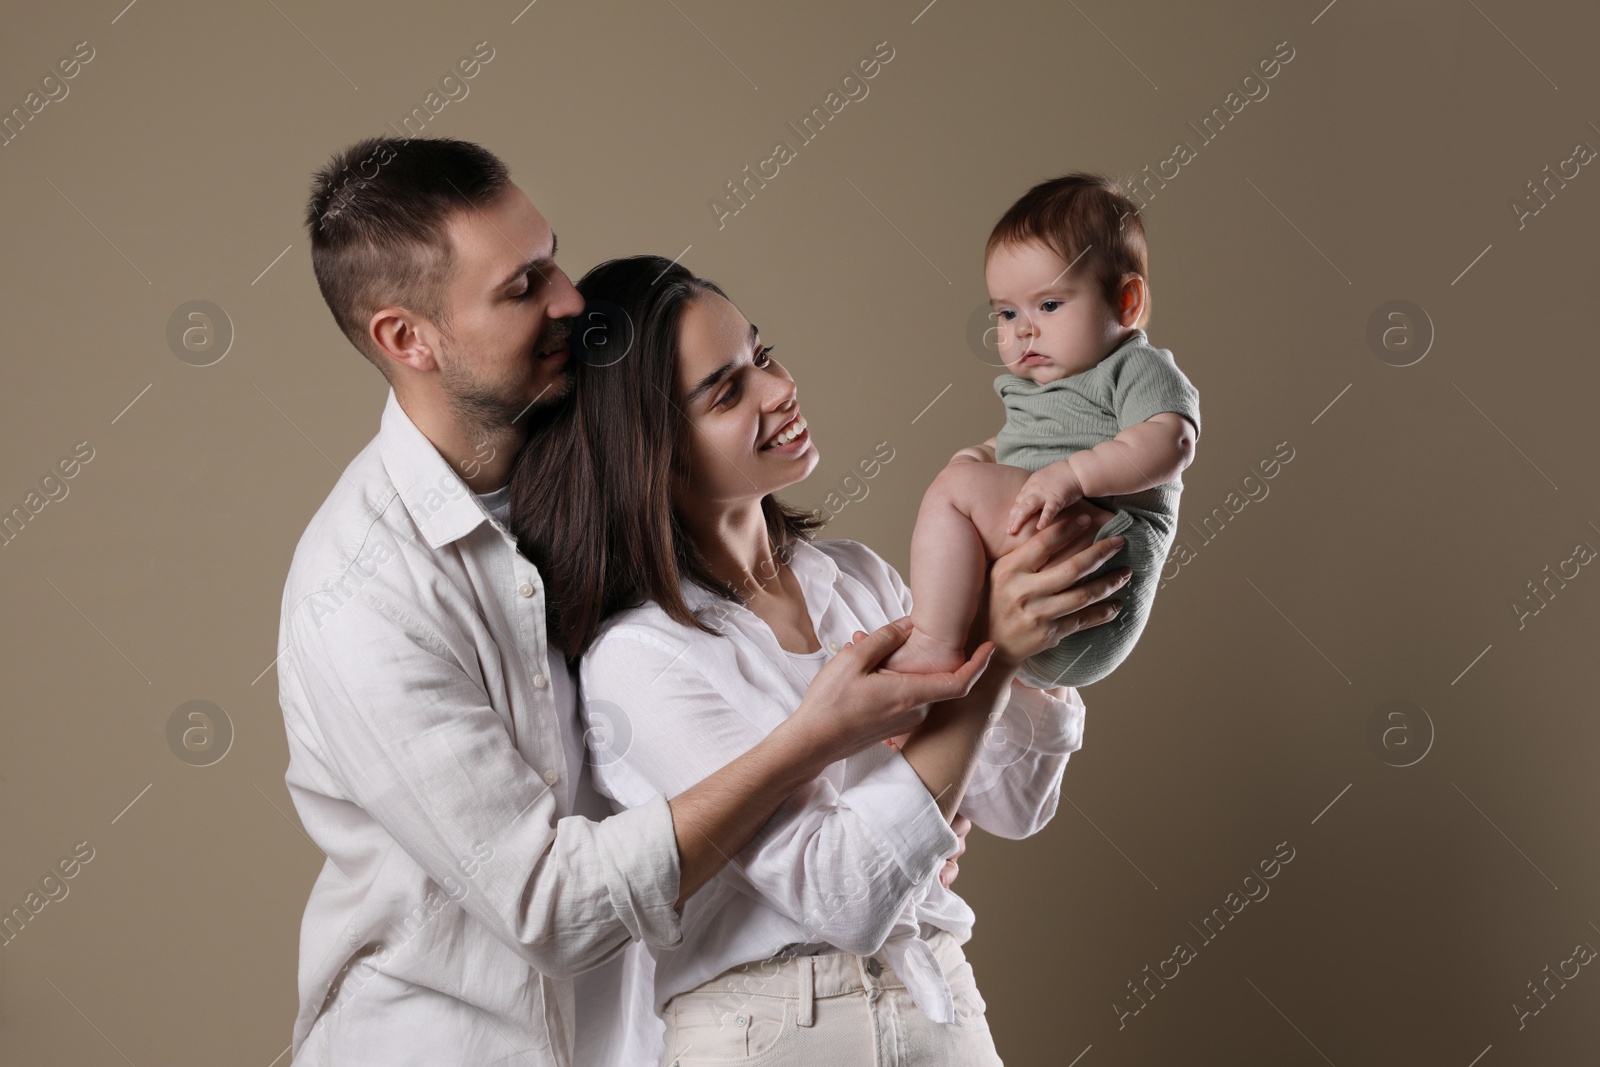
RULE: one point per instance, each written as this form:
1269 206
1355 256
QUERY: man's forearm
944 749
718 816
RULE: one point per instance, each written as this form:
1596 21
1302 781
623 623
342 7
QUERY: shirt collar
813 568
440 503
817 574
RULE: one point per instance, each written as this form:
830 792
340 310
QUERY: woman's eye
764 356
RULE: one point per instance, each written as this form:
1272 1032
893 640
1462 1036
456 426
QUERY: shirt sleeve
842 864
416 745
1145 381
1017 783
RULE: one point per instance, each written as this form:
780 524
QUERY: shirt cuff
901 813
640 857
1055 716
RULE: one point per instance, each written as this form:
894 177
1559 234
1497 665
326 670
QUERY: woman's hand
851 704
961 825
1034 593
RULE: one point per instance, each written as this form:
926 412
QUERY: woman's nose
784 393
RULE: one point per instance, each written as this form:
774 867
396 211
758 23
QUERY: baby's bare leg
960 528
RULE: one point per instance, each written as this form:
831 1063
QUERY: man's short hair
378 216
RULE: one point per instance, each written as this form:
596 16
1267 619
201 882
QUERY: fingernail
1083 520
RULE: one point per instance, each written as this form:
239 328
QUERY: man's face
505 349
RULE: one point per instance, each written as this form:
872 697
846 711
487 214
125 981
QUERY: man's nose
568 302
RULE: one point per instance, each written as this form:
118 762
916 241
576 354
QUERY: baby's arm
1143 456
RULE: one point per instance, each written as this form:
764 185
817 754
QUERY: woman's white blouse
852 859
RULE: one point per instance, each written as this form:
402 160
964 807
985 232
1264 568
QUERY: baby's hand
1047 491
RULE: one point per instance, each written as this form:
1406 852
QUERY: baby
1093 411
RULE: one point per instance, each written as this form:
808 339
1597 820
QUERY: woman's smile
791 439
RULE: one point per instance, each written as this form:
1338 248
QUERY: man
435 755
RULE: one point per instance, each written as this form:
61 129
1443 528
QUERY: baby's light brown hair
1081 211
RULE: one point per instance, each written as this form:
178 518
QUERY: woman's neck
736 547
738 550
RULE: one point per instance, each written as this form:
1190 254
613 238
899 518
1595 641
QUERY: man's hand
1034 596
1047 491
851 704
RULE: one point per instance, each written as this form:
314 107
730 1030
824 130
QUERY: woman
701 609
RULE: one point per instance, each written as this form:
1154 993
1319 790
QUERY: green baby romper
1046 423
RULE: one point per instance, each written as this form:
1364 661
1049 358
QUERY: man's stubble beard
487 414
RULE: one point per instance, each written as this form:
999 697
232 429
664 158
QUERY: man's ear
404 337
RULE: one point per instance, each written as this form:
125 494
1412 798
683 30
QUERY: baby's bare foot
924 654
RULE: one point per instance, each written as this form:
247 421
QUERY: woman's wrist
1002 665
993 687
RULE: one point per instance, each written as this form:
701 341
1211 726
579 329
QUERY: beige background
1382 566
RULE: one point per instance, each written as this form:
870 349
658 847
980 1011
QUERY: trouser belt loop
808 1013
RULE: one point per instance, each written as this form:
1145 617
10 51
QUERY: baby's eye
1050 305
1007 315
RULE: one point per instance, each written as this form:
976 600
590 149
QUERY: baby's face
1051 322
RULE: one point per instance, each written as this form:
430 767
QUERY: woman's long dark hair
592 491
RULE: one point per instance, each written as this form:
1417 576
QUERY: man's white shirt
434 757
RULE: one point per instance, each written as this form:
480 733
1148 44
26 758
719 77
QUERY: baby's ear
1135 303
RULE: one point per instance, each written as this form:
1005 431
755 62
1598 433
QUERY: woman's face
741 408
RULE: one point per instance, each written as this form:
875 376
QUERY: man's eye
528 292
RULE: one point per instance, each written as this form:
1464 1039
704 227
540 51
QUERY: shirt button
833 646
540 681
740 1019
526 589
551 777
